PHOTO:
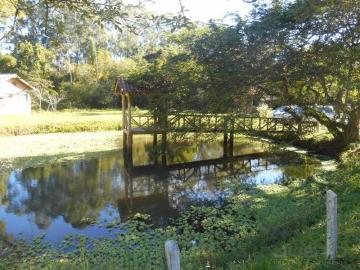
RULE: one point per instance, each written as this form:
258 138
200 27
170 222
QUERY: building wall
18 103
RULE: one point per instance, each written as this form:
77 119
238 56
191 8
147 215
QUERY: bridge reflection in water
189 182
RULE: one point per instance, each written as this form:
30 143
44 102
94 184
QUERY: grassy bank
321 142
260 227
62 121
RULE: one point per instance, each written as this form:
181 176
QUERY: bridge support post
231 144
129 130
299 128
163 148
225 144
154 140
124 141
155 150
123 108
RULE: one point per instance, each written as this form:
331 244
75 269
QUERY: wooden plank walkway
216 123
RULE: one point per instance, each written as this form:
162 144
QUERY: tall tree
309 56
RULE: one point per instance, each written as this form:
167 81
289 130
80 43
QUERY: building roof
8 76
122 87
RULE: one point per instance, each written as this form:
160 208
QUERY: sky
202 10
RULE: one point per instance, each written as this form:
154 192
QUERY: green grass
306 248
321 142
62 121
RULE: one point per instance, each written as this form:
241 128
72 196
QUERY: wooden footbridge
212 123
227 124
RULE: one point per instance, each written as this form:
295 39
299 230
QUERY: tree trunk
351 131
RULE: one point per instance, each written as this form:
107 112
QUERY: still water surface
78 196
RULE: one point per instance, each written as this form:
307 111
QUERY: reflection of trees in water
79 190
3 189
248 146
3 235
300 171
75 191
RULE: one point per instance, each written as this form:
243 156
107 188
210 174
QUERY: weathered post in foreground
331 225
172 254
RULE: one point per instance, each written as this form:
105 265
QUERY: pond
79 196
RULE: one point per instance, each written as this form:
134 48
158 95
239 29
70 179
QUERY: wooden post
299 128
154 140
231 145
172 254
125 142
259 123
225 144
123 107
129 131
163 148
131 186
126 183
331 225
155 150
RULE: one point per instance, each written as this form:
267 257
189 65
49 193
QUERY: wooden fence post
331 225
172 254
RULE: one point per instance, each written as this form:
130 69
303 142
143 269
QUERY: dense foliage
71 51
300 53
303 54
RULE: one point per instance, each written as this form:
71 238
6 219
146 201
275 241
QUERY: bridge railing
186 122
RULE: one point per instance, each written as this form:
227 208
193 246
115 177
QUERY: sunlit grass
64 121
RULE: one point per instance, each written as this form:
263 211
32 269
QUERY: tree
310 57
44 93
222 52
7 63
172 77
36 64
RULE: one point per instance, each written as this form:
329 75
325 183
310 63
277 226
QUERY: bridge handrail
235 122
227 115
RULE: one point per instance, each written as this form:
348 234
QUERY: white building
14 95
